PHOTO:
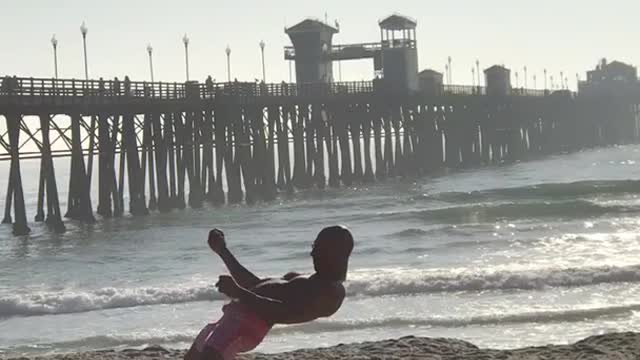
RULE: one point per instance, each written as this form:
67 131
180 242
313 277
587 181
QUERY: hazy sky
560 35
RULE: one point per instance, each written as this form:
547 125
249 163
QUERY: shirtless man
258 304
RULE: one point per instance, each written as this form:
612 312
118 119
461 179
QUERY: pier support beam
79 206
15 191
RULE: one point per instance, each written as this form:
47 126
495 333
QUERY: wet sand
618 346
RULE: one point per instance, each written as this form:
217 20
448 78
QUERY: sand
611 347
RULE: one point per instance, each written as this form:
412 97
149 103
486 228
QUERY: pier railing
125 89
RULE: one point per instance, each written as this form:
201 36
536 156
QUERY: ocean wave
369 283
137 340
383 282
547 190
510 211
46 303
551 316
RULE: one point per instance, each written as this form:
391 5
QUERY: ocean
530 253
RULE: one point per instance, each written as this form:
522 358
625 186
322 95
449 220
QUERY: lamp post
552 85
478 71
525 78
545 79
446 71
228 52
84 30
264 73
473 76
54 43
185 41
562 80
535 82
450 70
517 83
150 52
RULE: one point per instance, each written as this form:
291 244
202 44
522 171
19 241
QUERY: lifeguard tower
312 44
399 53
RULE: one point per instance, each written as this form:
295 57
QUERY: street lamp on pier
228 52
526 80
185 41
446 72
545 79
450 70
150 52
478 71
54 43
473 76
264 73
84 30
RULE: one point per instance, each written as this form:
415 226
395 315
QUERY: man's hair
340 240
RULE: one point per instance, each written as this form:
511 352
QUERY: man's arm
240 274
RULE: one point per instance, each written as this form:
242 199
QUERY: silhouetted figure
258 304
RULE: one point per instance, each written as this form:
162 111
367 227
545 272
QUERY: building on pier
498 80
431 82
614 78
395 56
312 44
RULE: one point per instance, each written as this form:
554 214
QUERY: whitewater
531 253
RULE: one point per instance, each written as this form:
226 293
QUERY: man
258 304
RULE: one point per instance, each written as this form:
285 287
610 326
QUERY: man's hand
228 286
216 241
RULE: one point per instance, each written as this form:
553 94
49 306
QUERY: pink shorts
238 331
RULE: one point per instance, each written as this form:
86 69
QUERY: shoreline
619 346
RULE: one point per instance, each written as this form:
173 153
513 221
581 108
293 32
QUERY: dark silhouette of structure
174 144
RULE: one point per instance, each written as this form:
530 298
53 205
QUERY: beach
615 346
504 257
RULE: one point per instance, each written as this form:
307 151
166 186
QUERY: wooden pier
172 145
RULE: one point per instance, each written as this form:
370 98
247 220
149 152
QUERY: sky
559 35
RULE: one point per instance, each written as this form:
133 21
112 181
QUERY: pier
172 145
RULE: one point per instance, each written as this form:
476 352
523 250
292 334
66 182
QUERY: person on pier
259 304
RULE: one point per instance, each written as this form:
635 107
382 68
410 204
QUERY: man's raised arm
240 274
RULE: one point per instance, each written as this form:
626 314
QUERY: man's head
331 252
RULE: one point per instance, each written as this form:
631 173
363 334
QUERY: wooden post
105 164
346 174
180 158
79 207
271 189
148 141
20 226
137 202
388 145
170 145
54 216
366 135
299 165
318 123
399 156
355 125
332 146
309 135
117 187
234 154
160 146
284 156
381 168
221 152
